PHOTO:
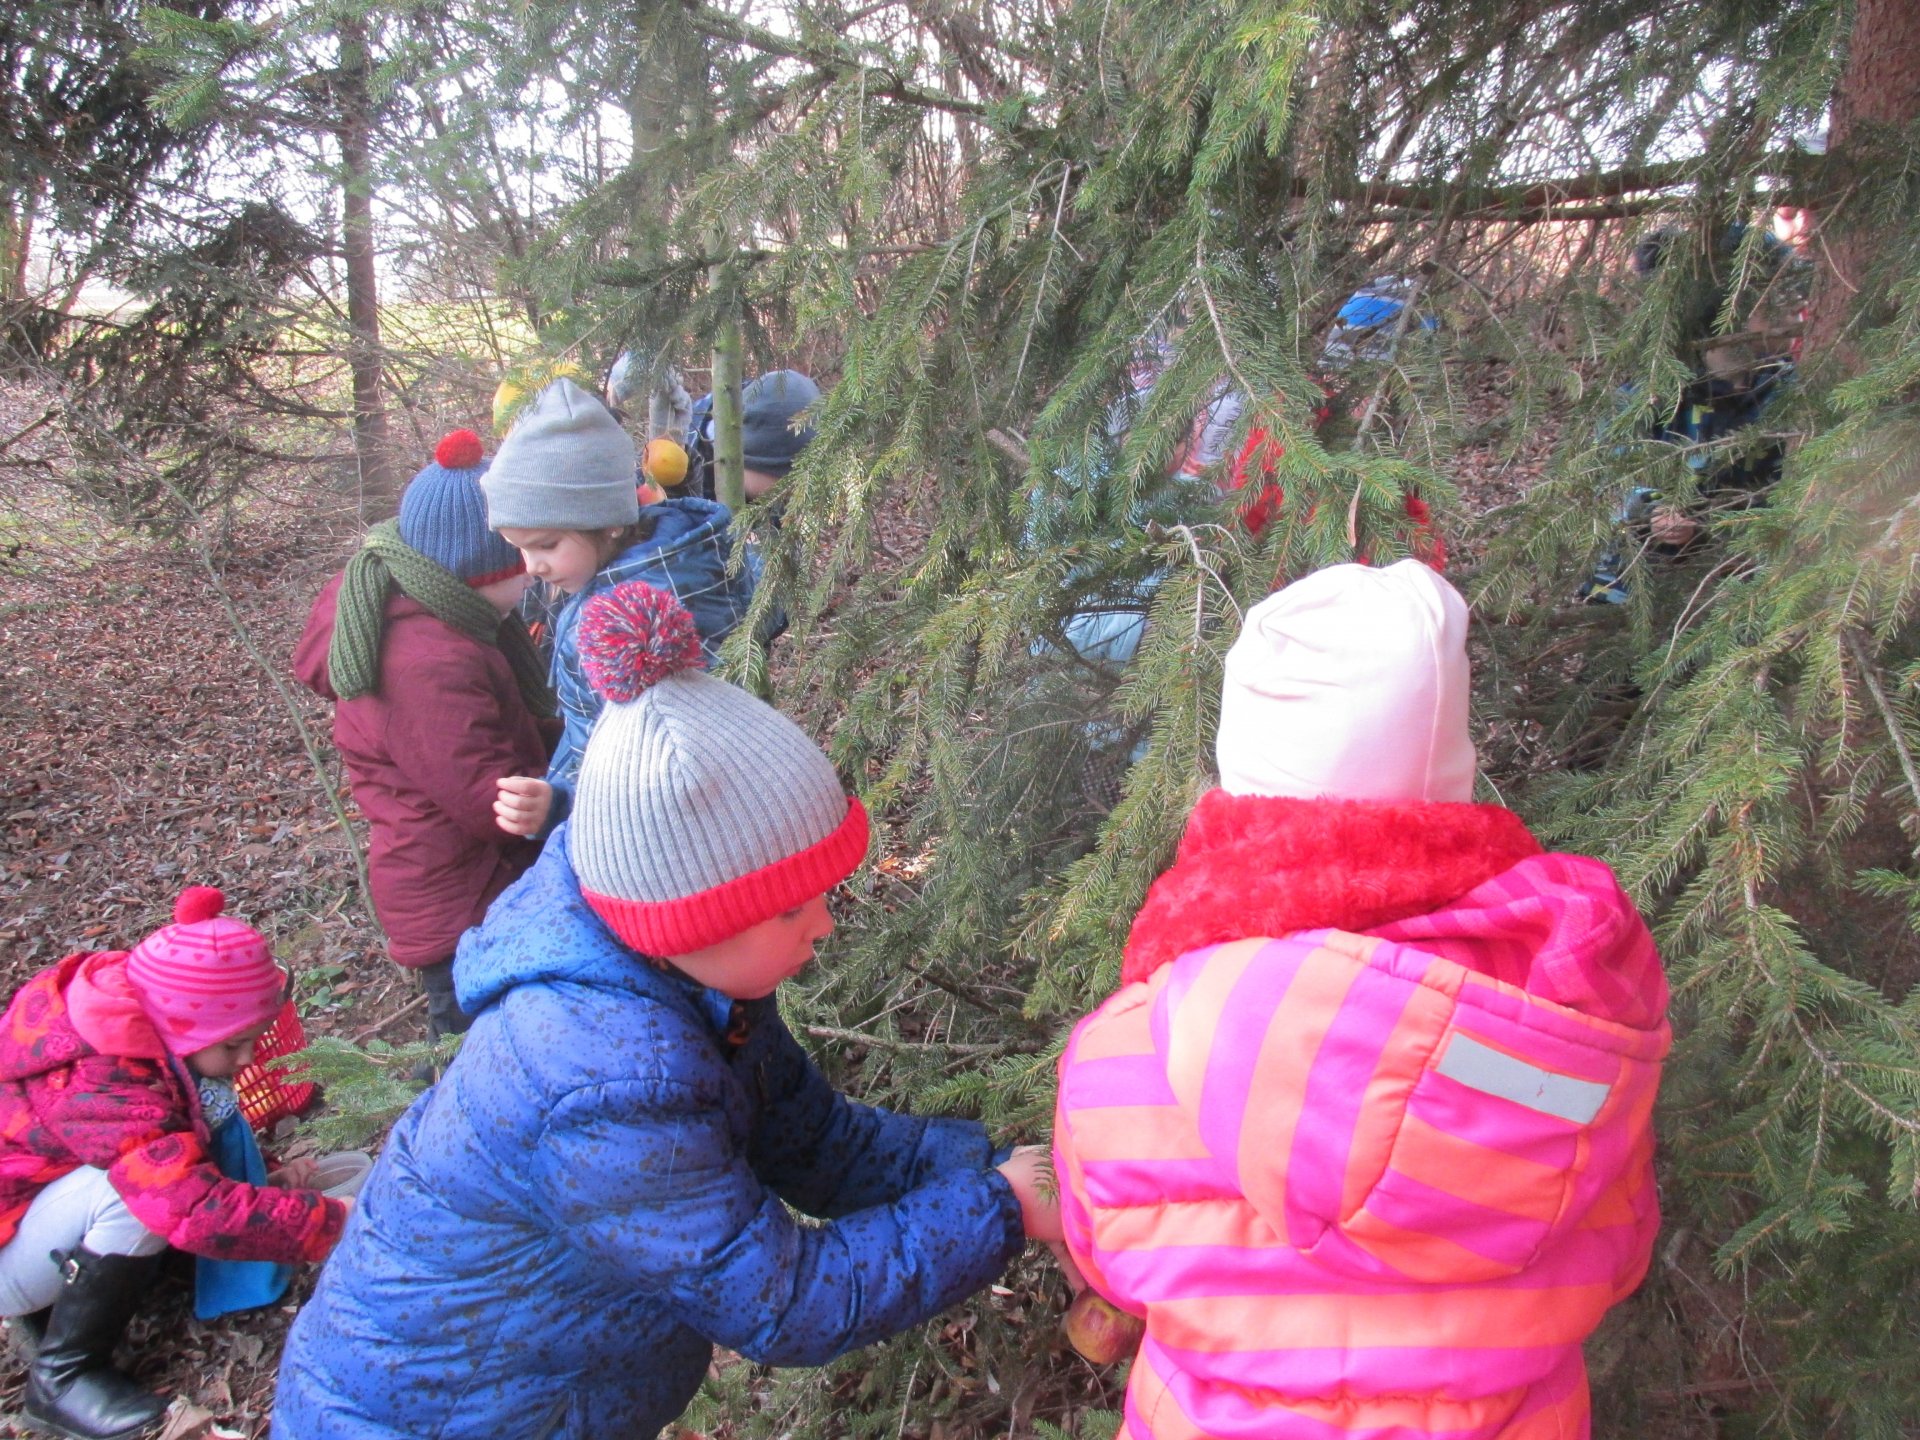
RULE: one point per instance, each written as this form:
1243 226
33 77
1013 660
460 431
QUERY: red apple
1102 1332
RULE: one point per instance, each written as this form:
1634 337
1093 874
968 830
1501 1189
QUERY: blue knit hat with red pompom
443 515
700 810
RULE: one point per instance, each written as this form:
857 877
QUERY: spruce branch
1896 733
836 59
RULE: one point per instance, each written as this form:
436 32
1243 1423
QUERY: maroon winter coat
86 1080
425 754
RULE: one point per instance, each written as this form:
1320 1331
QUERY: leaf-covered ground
143 748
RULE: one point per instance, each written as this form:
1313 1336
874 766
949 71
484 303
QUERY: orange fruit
664 462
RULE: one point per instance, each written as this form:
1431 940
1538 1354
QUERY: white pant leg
80 1208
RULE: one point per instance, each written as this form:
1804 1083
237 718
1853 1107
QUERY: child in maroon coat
440 703
115 1075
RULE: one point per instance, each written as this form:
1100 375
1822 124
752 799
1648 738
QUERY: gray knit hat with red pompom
700 811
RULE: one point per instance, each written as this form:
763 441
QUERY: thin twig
1040 287
1008 446
1887 717
361 1036
951 1047
1219 330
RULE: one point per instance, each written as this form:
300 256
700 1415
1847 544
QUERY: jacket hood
310 655
688 519
1557 927
1425 875
1266 865
541 931
84 1005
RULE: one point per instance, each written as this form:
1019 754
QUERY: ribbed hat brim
680 926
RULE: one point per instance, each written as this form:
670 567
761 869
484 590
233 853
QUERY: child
439 702
115 1075
1366 1133
562 491
775 426
558 1234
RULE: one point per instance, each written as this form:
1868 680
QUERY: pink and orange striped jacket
1374 1184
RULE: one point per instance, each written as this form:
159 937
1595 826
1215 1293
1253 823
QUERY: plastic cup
341 1174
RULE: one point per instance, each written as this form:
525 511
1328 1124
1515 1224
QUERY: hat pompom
459 450
634 636
197 903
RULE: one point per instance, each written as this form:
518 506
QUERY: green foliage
367 1087
158 438
1738 741
84 141
982 222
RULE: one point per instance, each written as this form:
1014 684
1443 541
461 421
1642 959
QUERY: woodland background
256 257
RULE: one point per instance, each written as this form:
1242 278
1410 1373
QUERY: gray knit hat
769 408
699 811
565 465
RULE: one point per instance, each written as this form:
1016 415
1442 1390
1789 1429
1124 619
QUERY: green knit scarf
360 617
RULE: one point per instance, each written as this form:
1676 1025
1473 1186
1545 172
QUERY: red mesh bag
268 1091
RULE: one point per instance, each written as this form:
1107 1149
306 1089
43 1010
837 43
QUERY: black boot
444 1016
72 1387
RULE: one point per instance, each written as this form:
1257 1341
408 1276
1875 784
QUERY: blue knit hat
768 406
443 515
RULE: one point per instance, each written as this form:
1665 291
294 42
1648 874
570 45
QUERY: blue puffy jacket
596 1193
687 556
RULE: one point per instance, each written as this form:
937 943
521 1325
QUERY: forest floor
149 739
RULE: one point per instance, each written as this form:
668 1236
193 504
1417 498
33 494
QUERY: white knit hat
1350 683
700 810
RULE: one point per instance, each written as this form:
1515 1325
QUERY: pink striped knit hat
205 978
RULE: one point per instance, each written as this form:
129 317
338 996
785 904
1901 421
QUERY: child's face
503 595
229 1057
565 559
750 965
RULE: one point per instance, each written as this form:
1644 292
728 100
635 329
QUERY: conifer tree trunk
729 462
1877 99
668 99
13 251
23 238
380 477
17 214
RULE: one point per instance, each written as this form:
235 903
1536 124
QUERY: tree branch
880 80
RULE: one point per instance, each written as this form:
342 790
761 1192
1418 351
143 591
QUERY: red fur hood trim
1263 865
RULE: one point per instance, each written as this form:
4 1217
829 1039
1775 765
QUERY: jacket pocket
1482 1169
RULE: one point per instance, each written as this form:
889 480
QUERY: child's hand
521 806
1076 1282
294 1175
1671 526
1029 1170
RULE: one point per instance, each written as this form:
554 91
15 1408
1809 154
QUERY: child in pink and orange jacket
1366 1133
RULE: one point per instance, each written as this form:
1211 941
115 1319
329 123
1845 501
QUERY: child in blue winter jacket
561 490
596 1194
